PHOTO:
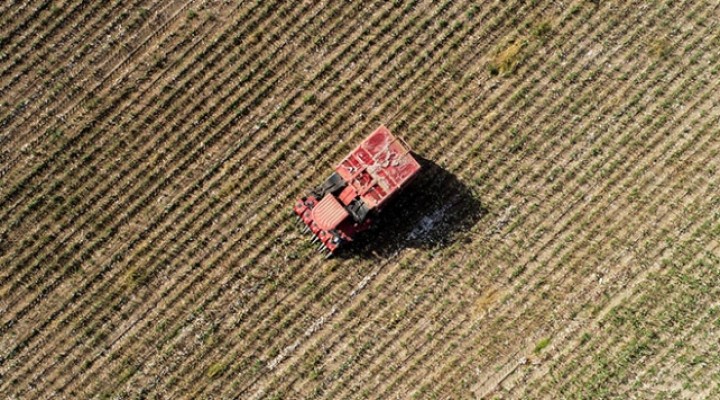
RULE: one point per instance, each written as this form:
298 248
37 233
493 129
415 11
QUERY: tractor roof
329 213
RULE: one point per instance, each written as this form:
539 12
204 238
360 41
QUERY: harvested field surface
562 241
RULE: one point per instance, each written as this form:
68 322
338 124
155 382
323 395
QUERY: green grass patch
541 345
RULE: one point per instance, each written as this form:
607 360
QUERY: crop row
578 170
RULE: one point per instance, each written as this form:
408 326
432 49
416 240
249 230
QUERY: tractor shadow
432 212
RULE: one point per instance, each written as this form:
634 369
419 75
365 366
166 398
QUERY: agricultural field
562 241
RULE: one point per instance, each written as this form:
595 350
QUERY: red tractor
362 184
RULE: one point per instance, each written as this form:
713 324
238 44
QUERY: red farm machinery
361 185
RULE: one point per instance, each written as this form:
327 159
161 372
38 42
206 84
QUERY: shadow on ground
432 212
